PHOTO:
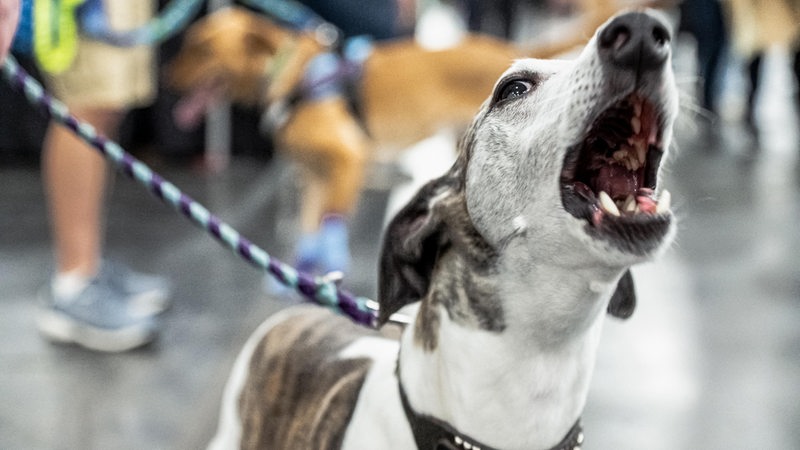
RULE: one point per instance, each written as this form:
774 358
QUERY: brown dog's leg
327 141
313 200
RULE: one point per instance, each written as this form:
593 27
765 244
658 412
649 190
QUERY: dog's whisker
688 79
689 103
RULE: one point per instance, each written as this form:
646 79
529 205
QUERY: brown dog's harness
332 73
431 433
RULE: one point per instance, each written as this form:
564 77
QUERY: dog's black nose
636 41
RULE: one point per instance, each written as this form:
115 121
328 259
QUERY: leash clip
397 318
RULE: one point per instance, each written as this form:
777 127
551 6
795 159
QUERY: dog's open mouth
610 177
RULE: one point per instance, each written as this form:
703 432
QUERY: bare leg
75 178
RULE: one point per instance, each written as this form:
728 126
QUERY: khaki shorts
104 76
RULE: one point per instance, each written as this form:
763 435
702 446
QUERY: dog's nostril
615 37
661 35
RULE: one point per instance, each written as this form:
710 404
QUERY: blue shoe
323 253
148 294
327 250
100 317
334 249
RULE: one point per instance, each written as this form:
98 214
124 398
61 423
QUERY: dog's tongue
617 181
190 109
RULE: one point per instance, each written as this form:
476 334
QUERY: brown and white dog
405 93
514 256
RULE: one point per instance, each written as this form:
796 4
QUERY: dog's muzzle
610 178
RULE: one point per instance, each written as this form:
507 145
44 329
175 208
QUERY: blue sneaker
148 294
327 250
100 317
323 253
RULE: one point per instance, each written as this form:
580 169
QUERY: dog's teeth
636 124
664 202
620 155
608 204
635 164
630 204
637 109
641 151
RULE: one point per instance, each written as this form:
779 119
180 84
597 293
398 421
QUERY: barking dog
514 255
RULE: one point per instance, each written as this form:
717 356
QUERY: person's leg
474 15
704 20
754 74
90 301
507 10
75 183
796 69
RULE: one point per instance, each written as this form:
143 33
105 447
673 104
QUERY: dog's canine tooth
630 204
637 108
664 202
634 161
636 124
608 204
641 151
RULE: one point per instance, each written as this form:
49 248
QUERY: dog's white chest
378 420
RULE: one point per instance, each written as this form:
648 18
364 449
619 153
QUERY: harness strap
326 74
55 33
431 433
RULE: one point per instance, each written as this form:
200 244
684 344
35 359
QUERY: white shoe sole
150 303
58 327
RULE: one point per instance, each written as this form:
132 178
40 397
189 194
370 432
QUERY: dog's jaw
598 136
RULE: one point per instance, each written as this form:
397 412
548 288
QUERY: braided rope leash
316 289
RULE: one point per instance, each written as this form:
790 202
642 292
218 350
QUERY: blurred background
710 359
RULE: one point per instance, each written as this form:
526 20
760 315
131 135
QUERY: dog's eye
514 89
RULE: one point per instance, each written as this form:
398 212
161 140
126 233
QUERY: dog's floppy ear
411 247
623 302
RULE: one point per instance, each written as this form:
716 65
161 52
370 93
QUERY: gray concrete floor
710 360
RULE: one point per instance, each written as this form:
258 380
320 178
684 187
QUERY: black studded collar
431 433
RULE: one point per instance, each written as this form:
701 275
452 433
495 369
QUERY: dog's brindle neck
491 352
465 282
